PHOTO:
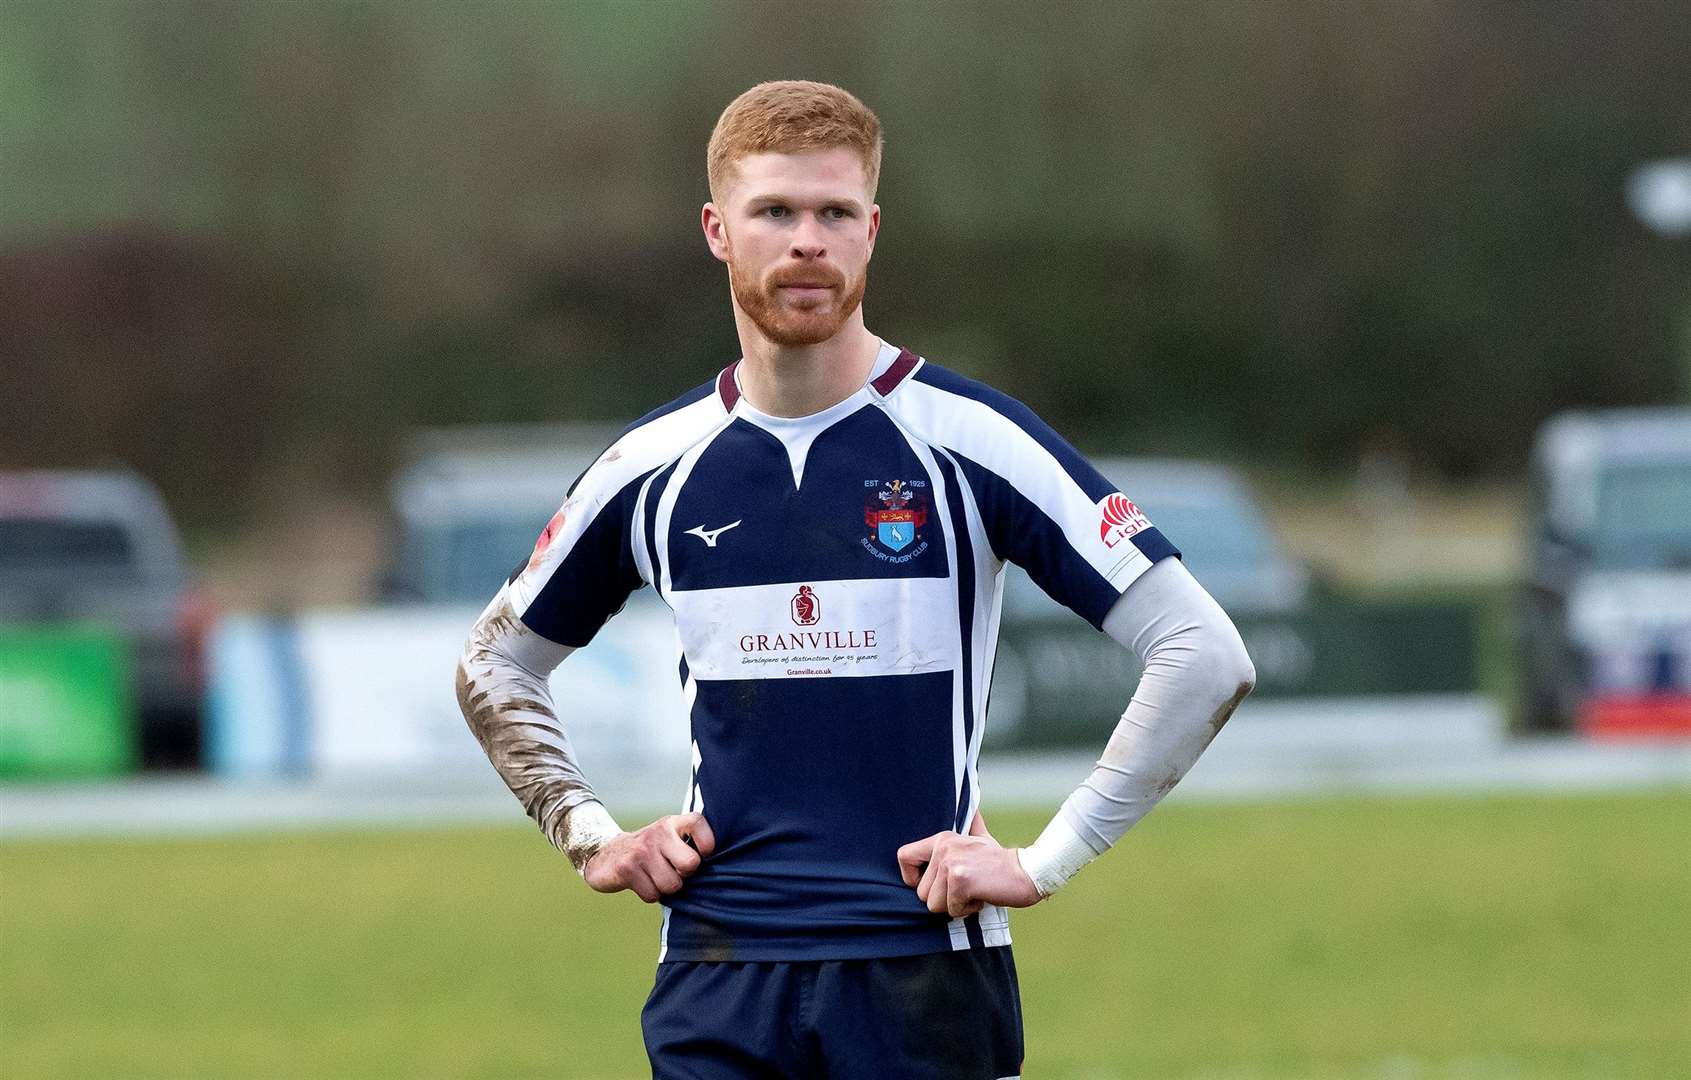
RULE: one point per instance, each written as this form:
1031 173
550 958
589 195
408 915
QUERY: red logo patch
1121 519
807 607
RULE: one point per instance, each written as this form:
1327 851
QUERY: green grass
1415 938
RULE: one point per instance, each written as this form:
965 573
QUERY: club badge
896 512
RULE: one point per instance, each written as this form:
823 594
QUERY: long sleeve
503 692
581 572
1196 672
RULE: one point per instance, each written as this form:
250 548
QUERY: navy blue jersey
836 581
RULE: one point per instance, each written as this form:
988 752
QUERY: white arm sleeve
1196 672
507 702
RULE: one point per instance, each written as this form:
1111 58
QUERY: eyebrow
853 203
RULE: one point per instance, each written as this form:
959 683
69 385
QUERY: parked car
1607 602
470 503
99 548
1056 680
352 690
1207 510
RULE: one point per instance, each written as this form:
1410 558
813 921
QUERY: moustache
829 278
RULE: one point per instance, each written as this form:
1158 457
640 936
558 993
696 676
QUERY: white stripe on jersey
695 803
645 448
672 491
959 934
995 925
961 761
987 602
988 437
637 532
989 599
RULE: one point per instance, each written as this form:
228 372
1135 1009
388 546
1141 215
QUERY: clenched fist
958 875
651 861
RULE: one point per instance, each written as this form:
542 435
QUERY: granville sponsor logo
824 648
801 640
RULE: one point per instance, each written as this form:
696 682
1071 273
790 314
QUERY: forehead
833 173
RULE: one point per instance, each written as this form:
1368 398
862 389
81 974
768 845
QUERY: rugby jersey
836 582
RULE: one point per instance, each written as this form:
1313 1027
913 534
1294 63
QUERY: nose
808 239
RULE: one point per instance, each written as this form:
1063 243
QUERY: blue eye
776 211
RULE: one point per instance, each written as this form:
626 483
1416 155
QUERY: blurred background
310 313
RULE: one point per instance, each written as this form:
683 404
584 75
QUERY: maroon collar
726 388
729 391
895 373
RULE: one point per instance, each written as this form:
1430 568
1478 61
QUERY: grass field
1415 938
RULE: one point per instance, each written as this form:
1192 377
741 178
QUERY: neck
798 380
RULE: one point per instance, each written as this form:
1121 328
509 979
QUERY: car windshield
31 546
1214 535
1222 539
1644 516
471 560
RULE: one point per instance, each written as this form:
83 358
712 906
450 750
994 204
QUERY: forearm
507 702
1196 672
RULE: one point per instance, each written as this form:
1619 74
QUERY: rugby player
829 518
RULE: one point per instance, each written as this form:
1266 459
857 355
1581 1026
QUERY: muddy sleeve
1196 672
503 692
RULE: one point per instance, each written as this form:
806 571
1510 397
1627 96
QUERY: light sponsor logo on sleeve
1120 519
547 535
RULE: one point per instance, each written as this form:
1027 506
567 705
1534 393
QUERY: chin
793 336
793 329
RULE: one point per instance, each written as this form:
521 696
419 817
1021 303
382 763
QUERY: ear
716 231
874 225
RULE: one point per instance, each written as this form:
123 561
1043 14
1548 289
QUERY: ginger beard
792 323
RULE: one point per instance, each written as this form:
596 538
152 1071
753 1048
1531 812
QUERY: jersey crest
895 512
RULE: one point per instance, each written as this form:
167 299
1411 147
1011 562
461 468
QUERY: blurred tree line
248 244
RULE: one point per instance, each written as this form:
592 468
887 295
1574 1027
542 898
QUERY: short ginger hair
788 117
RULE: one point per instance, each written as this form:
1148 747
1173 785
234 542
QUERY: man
829 519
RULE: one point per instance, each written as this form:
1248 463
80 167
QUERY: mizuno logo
709 535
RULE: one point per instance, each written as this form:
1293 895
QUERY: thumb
696 828
912 857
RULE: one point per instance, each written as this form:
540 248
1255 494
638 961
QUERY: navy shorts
942 1016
